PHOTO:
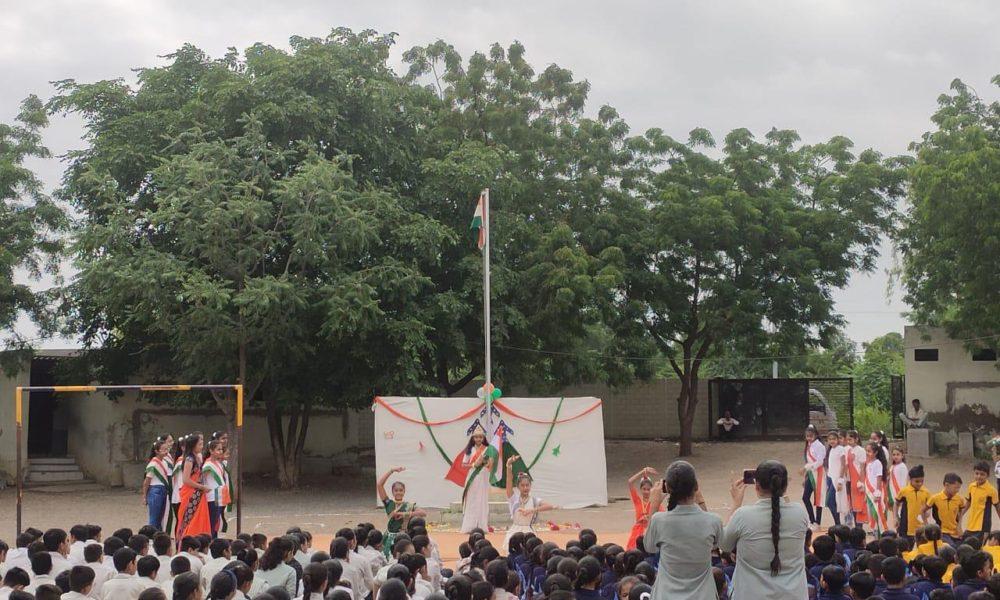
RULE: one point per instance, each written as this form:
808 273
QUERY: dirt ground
323 505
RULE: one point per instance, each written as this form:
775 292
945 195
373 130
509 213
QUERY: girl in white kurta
524 507
814 485
836 459
897 479
476 500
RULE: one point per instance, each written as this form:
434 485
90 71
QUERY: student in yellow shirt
946 507
980 501
910 503
992 546
932 533
918 540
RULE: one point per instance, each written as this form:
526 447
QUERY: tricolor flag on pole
479 220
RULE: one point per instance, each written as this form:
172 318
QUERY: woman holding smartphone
684 536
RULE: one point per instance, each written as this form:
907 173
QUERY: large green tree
30 223
742 250
883 358
950 238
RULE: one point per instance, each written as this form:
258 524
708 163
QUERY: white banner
561 441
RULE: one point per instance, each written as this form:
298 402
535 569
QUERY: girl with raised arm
640 503
524 507
476 499
399 511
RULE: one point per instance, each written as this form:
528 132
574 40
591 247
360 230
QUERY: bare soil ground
323 505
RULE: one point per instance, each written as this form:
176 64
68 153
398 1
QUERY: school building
959 387
94 437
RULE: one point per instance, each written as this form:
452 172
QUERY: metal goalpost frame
19 418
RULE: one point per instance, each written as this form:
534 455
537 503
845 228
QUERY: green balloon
496 393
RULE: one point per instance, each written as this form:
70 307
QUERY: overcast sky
867 69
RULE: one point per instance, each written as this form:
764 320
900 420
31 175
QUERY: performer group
188 486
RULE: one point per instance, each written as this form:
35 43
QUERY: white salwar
476 509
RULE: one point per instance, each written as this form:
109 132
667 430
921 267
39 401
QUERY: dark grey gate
781 408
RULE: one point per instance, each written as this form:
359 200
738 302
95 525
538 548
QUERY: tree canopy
30 223
950 238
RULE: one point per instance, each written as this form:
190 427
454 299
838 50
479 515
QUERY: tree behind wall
950 238
30 223
743 251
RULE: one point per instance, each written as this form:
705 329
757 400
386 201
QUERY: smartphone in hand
749 476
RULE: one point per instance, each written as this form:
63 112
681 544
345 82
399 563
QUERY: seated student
185 586
823 547
991 546
944 594
15 579
146 569
92 557
875 562
977 568
163 549
81 582
932 533
57 545
125 585
189 549
918 540
41 571
178 566
894 575
111 545
221 556
933 568
45 592
857 543
888 546
949 556
861 585
832 580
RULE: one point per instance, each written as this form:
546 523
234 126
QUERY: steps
42 472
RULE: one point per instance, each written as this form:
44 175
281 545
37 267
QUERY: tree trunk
287 441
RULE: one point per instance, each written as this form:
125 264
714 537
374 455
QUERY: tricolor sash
895 486
160 470
816 476
876 508
220 495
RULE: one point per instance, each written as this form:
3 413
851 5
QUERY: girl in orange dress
192 513
640 502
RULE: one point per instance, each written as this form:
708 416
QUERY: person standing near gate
814 487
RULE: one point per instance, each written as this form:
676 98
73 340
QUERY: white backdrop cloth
571 470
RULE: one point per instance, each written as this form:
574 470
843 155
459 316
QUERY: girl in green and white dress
399 511
524 507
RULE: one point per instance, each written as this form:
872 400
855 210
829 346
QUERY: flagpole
488 396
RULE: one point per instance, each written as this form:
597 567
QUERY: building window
985 354
925 354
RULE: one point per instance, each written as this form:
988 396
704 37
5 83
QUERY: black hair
314 578
496 573
179 565
242 572
16 576
824 547
80 577
589 574
983 466
392 589
934 568
153 593
681 482
222 585
772 477
339 548
218 547
952 478
147 566
275 553
481 590
932 533
458 587
123 558
862 584
888 546
53 538
189 444
556 581
880 457
974 563
41 563
334 571
185 585
92 553
190 542
139 543
79 532
894 570
834 577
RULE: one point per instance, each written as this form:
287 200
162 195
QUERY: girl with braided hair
683 536
771 534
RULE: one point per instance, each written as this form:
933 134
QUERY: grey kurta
749 532
685 537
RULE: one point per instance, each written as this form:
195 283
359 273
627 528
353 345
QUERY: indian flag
479 219
500 450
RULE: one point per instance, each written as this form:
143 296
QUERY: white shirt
76 552
163 573
837 461
74 596
17 557
59 563
281 575
352 574
195 560
815 455
365 566
123 587
422 589
375 558
37 580
211 569
727 424
873 471
5 592
101 575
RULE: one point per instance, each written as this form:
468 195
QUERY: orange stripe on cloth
503 407
379 401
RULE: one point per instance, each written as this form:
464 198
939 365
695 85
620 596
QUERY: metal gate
897 404
781 408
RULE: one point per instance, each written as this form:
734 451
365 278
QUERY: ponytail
314 579
681 481
775 523
772 476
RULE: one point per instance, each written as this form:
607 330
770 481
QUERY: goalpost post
19 419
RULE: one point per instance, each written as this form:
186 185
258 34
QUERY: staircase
56 475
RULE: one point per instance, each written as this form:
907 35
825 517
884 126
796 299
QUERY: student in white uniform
81 583
15 578
146 569
41 571
57 545
124 585
221 557
179 565
185 587
314 582
92 556
18 557
79 535
189 550
837 499
163 550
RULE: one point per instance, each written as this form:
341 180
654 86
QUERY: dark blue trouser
831 500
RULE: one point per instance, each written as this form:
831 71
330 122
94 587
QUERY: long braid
775 521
